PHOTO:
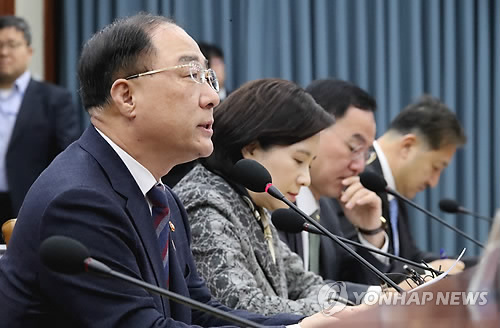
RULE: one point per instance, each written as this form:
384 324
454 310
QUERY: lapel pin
172 227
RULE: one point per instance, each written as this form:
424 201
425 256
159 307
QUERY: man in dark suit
151 107
343 150
411 155
37 119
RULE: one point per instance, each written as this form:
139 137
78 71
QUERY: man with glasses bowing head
150 99
343 150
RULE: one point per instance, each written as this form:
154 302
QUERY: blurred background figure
411 156
343 150
215 57
37 119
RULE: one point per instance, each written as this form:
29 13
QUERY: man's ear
407 145
121 93
249 150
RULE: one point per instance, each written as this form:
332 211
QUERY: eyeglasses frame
190 64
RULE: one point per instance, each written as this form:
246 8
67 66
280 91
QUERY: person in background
215 57
37 119
343 150
411 155
337 195
237 250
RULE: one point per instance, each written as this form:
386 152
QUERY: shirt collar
22 82
306 201
386 169
144 179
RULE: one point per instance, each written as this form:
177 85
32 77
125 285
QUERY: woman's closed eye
299 161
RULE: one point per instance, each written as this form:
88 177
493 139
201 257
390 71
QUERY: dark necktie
161 221
393 205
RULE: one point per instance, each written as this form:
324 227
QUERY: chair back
7 229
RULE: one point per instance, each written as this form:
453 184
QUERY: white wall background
32 12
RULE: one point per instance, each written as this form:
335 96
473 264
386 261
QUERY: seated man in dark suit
37 119
345 207
411 155
150 99
343 150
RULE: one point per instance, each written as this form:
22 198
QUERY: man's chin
335 192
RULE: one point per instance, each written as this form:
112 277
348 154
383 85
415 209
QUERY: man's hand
363 208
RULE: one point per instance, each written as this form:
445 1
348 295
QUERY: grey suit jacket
233 256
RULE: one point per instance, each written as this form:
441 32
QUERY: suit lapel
30 105
136 206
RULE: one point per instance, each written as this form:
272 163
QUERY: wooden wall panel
7 7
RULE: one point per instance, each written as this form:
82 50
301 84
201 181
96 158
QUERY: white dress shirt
144 179
307 203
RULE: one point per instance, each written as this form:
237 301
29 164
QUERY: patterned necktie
314 242
268 234
161 219
394 224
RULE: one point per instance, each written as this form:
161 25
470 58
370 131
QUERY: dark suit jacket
87 193
335 263
407 247
46 124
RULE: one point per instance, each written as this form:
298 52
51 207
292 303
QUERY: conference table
451 310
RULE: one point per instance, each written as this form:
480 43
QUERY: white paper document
441 276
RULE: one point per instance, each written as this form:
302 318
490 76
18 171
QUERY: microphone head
287 220
251 174
449 205
63 254
373 181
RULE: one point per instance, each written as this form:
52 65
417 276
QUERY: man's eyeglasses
196 71
11 45
357 152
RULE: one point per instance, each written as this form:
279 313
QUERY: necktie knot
315 215
157 196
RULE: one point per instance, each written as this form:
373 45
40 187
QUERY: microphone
452 206
287 220
66 255
255 177
376 183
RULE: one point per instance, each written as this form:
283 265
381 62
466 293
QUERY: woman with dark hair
237 250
